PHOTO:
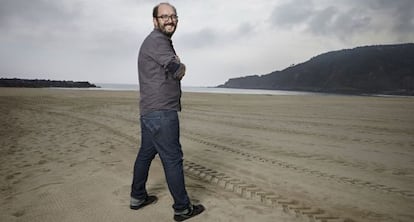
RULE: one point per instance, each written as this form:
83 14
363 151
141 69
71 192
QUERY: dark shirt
159 90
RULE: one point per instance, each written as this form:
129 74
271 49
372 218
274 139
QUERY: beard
167 28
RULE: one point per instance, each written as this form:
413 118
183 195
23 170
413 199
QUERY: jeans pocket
152 124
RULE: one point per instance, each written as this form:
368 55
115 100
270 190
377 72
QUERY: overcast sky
98 40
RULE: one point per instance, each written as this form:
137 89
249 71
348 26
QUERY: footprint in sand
19 213
9 177
41 162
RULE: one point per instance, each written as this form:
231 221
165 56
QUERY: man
160 72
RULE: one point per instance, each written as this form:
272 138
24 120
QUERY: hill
40 83
380 69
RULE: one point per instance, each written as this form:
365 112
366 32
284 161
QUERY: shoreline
216 90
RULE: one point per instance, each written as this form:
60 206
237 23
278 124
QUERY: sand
67 155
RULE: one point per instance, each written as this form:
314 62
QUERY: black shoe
194 210
138 204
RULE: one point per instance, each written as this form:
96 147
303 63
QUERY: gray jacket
158 67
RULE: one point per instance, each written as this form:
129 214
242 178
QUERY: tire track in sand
255 193
300 169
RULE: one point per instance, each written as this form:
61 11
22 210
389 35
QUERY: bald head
163 4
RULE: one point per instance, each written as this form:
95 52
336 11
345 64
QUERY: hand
178 59
180 72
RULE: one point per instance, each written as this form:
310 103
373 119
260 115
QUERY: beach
68 155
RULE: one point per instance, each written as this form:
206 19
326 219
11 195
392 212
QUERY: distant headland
378 69
42 83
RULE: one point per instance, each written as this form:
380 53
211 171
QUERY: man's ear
154 20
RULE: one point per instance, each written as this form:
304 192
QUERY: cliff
380 69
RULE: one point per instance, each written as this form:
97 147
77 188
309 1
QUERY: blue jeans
160 134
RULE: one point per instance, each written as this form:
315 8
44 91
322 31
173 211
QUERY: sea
206 89
201 89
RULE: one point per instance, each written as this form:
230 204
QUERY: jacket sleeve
162 51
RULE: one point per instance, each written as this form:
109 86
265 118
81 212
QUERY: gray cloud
63 24
345 19
36 13
330 21
38 22
115 43
210 37
401 13
245 29
199 39
292 13
64 38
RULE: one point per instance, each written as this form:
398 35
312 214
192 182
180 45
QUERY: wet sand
67 155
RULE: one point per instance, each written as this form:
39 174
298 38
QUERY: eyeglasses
166 17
